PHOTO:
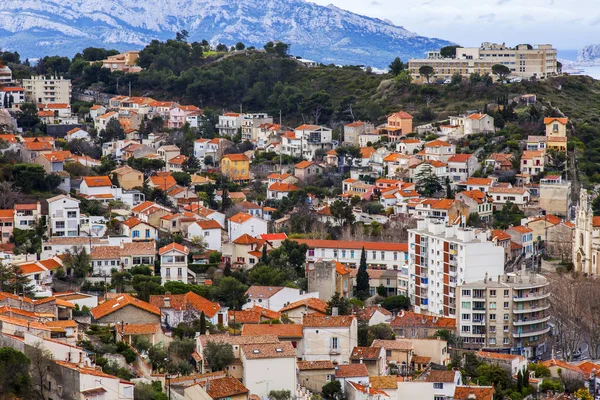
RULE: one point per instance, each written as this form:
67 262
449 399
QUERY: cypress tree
362 277
227 270
264 258
202 323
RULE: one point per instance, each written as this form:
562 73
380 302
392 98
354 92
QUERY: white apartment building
26 215
441 258
229 124
5 74
251 124
174 263
508 313
274 297
524 61
306 140
63 212
40 89
200 148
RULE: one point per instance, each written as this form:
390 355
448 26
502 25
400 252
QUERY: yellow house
129 178
556 126
556 143
236 167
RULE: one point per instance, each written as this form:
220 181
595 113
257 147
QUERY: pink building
7 218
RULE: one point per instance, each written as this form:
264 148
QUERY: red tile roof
97 181
409 318
236 157
268 350
225 387
460 158
138 329
312 303
441 376
209 224
303 164
262 292
365 353
240 217
279 330
474 393
246 239
401 114
190 300
563 121
314 365
351 371
283 187
347 244
110 306
174 246
317 321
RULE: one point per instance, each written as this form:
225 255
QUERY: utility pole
129 88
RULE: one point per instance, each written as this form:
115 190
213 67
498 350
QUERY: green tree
449 51
218 355
339 302
227 270
396 303
27 117
426 71
14 373
362 278
202 329
510 214
264 275
146 286
501 71
290 257
264 258
240 46
428 183
332 391
474 220
191 165
113 131
396 66
120 280
231 292
280 395
77 261
342 212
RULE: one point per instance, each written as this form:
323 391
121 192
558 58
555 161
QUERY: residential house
313 375
176 164
200 148
211 388
532 162
236 167
268 367
162 180
478 123
128 177
278 191
398 164
522 236
374 315
243 223
348 374
101 122
474 393
557 235
556 126
313 138
354 130
398 352
137 229
437 150
426 351
291 333
97 110
499 161
136 150
174 263
461 167
372 357
125 308
425 168
64 215
229 124
150 212
307 169
26 215
353 187
536 143
177 308
444 382
478 203
77 134
408 146
273 297
328 278
399 125
409 325
31 149
511 363
481 184
501 195
168 152
297 310
209 231
129 333
329 338
251 124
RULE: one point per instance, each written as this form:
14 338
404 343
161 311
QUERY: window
23 223
206 234
492 305
395 256
466 305
335 253
374 255
466 328
60 224
168 272
466 317
179 259
492 317
466 292
136 234
438 385
147 233
383 255
351 253
334 343
506 317
343 253
492 341
505 328
506 304
179 271
167 259
505 340
493 292
71 214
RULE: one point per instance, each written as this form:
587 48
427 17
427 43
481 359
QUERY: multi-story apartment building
229 124
524 61
251 124
173 263
354 130
64 214
507 314
5 74
26 215
442 257
40 89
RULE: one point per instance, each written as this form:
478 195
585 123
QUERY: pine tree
227 270
520 382
202 323
264 259
362 277
225 200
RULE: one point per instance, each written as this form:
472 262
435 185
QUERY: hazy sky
567 24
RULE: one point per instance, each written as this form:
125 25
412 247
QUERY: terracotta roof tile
351 371
97 181
174 246
268 350
69 323
409 318
240 218
365 353
137 329
224 387
328 321
440 376
110 306
401 114
237 340
312 303
383 382
236 157
187 301
246 239
279 330
313 365
347 244
474 393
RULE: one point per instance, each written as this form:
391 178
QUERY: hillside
325 34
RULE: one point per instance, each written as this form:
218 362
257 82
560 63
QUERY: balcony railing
530 321
531 309
532 296
529 333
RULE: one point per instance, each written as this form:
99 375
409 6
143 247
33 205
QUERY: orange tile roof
552 219
97 181
132 221
69 323
244 316
367 390
30 268
328 321
226 387
38 146
561 364
384 382
181 302
347 244
268 350
530 154
313 365
209 224
351 371
110 306
84 370
303 164
366 152
409 318
174 246
246 239
265 312
240 217
474 393
179 160
355 124
521 229
498 356
441 376
307 127
460 158
401 114
163 181
500 235
443 204
283 187
587 367
25 323
312 303
236 157
138 329
365 353
476 116
563 121
596 222
7 137
479 181
279 330
437 143
341 268
262 292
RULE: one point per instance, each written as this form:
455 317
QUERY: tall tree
78 261
396 66
426 71
264 259
15 381
202 323
362 277
501 71
339 302
218 355
428 183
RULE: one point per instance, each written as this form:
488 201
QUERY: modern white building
64 215
174 263
306 140
268 367
40 89
229 124
244 223
274 297
26 215
441 258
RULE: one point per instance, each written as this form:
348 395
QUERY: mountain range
329 34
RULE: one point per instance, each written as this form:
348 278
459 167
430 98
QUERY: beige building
329 278
125 62
555 195
508 314
314 374
40 89
556 126
329 337
129 178
524 61
586 245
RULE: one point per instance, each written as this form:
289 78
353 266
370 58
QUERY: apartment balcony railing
531 296
530 321
530 332
526 310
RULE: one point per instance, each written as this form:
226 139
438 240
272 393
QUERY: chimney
167 300
334 311
499 278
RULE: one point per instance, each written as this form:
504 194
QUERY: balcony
479 308
529 333
453 252
334 352
480 321
424 282
531 310
530 321
531 296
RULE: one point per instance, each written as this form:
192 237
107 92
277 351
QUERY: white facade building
64 215
40 89
243 223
